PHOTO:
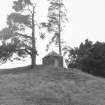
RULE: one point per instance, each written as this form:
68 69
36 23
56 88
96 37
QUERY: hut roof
53 53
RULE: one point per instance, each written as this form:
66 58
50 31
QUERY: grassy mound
50 86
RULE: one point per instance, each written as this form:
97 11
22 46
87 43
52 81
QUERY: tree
88 57
11 44
56 18
77 53
72 57
19 21
94 62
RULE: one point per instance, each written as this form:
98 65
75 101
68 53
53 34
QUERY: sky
86 20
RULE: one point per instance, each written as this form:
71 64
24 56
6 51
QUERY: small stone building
53 59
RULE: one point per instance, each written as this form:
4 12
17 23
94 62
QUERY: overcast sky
86 20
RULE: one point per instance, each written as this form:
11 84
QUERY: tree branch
24 35
24 49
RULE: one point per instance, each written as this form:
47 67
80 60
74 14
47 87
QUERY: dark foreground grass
50 86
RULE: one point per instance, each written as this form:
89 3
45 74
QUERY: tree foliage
5 34
56 19
7 49
94 61
75 54
19 21
88 57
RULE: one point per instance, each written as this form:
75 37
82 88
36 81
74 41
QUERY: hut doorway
56 63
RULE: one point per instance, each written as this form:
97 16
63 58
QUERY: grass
50 86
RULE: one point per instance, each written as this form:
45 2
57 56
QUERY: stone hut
53 59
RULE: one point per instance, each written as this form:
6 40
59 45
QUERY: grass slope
50 86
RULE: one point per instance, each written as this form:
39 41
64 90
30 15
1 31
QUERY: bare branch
24 50
24 35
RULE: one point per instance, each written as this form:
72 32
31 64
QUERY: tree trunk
60 52
33 56
59 29
33 61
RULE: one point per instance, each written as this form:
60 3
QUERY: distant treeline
88 57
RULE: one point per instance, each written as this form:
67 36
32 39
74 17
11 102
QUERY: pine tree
56 19
21 42
22 19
